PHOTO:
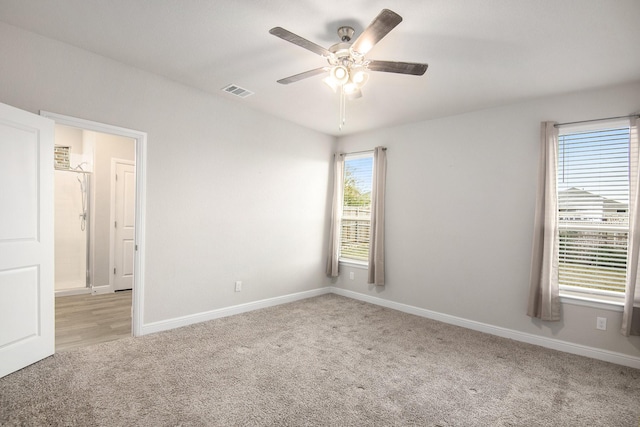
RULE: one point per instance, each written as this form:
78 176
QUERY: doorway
107 191
94 229
94 211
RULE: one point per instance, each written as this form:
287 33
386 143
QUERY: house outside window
593 210
356 208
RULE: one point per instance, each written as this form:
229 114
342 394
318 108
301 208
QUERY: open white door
124 224
27 322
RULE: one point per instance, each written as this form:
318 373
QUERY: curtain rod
360 152
557 125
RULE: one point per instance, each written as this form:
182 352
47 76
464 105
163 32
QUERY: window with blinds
593 210
356 207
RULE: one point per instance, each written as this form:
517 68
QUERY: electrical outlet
601 323
238 286
351 275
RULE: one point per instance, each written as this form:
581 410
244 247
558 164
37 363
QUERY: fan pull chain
343 108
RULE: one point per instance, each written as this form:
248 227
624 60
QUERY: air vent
237 91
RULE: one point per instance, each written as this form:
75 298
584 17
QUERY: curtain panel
631 313
375 274
336 207
544 293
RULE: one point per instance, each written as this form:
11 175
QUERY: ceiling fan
347 67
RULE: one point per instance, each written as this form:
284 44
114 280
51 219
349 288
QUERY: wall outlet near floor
601 323
351 275
238 286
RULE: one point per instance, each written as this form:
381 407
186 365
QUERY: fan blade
302 42
296 77
412 68
386 21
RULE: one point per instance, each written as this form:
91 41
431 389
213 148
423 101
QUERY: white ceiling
480 53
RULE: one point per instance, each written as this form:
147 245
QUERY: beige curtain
544 294
376 245
334 232
631 314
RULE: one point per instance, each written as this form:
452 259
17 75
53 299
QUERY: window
593 209
356 207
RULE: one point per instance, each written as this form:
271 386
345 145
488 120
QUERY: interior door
27 322
124 232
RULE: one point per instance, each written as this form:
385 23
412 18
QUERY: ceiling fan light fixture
340 74
348 68
348 79
350 88
331 82
352 91
359 77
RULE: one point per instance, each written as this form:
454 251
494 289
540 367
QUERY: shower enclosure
72 189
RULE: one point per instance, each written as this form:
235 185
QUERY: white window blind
593 209
356 207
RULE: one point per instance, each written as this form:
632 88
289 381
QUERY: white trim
594 125
367 154
567 347
165 325
102 289
593 302
141 197
363 265
68 292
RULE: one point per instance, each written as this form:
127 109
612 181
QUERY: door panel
125 201
127 257
19 295
26 239
19 158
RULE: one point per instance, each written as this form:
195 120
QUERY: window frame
576 295
353 262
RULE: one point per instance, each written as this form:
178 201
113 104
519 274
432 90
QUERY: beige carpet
326 361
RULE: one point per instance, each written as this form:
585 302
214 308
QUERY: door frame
112 217
137 305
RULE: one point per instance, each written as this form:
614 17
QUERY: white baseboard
567 347
177 322
67 292
104 289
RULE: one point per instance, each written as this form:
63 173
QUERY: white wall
70 137
70 241
460 200
232 194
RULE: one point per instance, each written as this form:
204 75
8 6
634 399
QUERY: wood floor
83 320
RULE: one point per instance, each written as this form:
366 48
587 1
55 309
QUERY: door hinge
114 270
115 224
136 248
116 177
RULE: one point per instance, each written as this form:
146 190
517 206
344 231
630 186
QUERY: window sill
600 302
353 263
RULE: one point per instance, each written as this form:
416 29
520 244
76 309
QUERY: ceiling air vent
237 91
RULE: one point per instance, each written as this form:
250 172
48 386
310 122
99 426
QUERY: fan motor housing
342 54
345 33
